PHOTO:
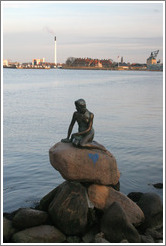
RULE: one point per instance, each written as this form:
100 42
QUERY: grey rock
158 241
116 226
73 239
124 241
27 217
147 239
99 238
39 234
8 229
158 185
89 237
154 233
151 205
135 196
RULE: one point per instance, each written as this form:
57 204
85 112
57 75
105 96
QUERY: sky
101 29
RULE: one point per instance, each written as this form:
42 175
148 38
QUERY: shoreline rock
102 197
98 223
88 207
69 207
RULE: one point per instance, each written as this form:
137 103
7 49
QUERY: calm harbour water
37 109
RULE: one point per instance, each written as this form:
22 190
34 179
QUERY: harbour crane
154 54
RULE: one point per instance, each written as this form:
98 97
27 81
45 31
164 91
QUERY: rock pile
87 207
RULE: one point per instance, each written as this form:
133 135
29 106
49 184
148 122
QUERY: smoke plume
49 30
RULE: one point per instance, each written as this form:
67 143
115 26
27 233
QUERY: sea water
37 110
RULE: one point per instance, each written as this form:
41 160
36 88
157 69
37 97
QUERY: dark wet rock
39 234
11 215
155 233
84 165
8 230
116 226
89 236
99 238
135 196
158 185
124 241
73 239
159 241
27 217
47 199
92 218
152 207
146 239
116 187
69 208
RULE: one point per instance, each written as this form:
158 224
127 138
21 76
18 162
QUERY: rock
158 185
124 241
8 229
84 165
154 233
90 235
159 241
39 234
27 217
73 239
102 197
135 196
46 200
152 207
69 208
99 238
116 227
146 239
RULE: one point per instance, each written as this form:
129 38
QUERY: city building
5 62
151 60
38 61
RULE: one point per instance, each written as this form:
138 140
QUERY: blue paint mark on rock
94 157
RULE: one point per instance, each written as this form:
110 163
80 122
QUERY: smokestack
55 61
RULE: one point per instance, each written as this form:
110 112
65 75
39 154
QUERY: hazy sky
83 29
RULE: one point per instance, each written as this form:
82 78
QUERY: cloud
17 4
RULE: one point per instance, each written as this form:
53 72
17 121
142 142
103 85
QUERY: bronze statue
84 136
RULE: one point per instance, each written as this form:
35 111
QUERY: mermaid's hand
65 140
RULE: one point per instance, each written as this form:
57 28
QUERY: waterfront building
5 62
38 61
151 60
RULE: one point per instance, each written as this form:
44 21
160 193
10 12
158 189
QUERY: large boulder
102 197
39 234
47 199
84 165
116 227
8 229
69 208
27 217
152 207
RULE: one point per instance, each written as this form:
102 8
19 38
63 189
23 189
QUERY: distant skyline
103 30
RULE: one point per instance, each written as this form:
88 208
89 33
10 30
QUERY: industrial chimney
55 61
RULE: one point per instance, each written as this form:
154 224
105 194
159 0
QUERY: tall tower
55 61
